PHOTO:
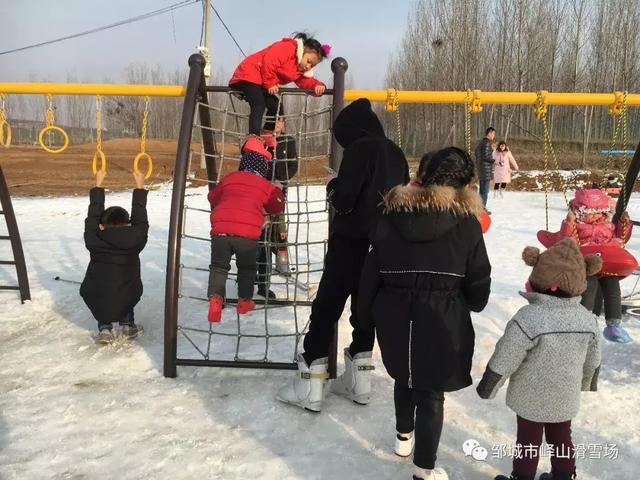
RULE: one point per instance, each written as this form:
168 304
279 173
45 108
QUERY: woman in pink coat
505 163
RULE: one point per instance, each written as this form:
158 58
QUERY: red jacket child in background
238 204
259 76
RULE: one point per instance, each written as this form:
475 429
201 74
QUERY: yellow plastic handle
56 129
103 162
147 157
5 134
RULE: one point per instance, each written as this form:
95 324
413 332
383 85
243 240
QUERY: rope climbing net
290 252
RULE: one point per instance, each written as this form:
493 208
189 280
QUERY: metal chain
99 123
398 130
625 146
549 150
143 136
49 116
467 123
3 113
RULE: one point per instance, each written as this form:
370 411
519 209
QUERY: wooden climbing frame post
6 210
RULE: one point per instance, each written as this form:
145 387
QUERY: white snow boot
404 444
435 474
307 389
355 382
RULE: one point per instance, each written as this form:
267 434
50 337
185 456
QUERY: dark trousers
421 412
259 101
605 289
222 248
500 186
263 261
129 319
483 190
558 436
340 278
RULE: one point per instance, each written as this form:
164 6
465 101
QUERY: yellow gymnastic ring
140 156
103 162
53 150
5 138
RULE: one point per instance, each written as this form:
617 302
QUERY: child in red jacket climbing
259 76
238 204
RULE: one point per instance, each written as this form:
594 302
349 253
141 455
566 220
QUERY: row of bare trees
515 45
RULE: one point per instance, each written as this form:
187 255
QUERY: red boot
245 305
216 304
256 145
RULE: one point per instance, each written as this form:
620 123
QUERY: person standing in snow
484 164
504 165
259 76
550 351
112 285
371 166
427 270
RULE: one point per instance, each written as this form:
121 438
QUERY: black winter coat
427 269
484 160
371 166
112 285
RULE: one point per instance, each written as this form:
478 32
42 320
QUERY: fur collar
409 198
299 53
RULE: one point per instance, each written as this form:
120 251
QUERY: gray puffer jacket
551 351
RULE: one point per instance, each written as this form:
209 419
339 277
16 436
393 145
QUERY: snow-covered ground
72 410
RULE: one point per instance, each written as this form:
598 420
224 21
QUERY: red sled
616 261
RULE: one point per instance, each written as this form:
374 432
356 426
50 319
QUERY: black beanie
451 167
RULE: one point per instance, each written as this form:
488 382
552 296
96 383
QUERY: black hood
357 121
425 214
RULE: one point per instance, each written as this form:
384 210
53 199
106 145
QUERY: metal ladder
6 210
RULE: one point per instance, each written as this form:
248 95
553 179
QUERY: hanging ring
103 162
143 156
56 129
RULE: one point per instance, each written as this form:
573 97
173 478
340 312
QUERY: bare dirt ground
30 171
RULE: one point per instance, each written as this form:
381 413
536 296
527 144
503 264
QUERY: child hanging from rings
238 205
259 76
112 285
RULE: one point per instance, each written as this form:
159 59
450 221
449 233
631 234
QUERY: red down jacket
237 204
275 65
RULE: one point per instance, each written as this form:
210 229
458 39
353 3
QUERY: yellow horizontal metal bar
93 89
402 96
522 98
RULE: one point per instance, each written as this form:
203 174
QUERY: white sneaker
355 382
435 474
307 389
404 444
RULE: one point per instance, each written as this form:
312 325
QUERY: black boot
263 292
515 476
555 475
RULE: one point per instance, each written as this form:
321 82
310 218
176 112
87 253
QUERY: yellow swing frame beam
390 97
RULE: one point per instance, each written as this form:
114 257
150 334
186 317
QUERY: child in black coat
112 285
427 270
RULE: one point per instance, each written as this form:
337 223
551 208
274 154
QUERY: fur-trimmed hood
425 213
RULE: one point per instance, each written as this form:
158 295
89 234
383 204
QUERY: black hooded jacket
427 270
112 285
371 165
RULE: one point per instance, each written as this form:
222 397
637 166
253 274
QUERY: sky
364 32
